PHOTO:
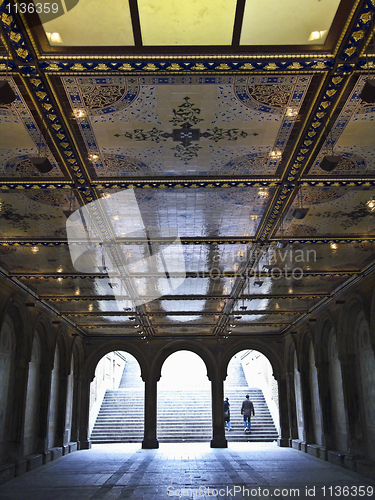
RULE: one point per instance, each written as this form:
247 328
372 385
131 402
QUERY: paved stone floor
244 470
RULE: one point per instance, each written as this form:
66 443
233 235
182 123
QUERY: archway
117 400
184 400
250 373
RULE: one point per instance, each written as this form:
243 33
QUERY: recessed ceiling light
60 269
116 217
79 113
78 291
317 35
59 280
275 154
333 246
93 157
35 249
291 112
371 205
54 37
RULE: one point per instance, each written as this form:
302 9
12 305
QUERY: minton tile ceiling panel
69 286
205 286
104 320
21 138
187 306
280 285
257 328
194 212
352 137
215 258
93 304
91 24
184 330
34 213
266 318
333 211
110 329
36 259
282 303
325 256
188 320
156 126
187 22
290 22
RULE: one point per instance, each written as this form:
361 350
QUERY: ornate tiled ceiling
191 122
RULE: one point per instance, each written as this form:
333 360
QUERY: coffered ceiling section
185 126
192 23
22 138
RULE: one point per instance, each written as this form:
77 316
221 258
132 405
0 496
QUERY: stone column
325 402
218 431
17 410
150 440
308 434
292 412
61 412
283 439
355 431
76 410
84 439
45 393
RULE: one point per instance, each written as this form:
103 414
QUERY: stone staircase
183 415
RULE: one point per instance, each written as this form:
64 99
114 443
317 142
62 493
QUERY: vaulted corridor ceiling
213 121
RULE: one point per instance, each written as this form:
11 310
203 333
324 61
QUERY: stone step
183 416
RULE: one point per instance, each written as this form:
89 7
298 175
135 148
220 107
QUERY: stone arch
79 353
305 339
43 329
323 328
347 324
88 374
17 311
176 346
65 352
114 345
270 353
276 361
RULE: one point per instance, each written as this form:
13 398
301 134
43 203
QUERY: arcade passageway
256 470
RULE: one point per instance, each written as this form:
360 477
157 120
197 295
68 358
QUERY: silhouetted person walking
227 414
247 410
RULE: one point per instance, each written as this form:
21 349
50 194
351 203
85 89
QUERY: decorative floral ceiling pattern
220 144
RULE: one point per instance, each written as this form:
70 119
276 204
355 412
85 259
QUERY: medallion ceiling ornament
186 117
215 136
